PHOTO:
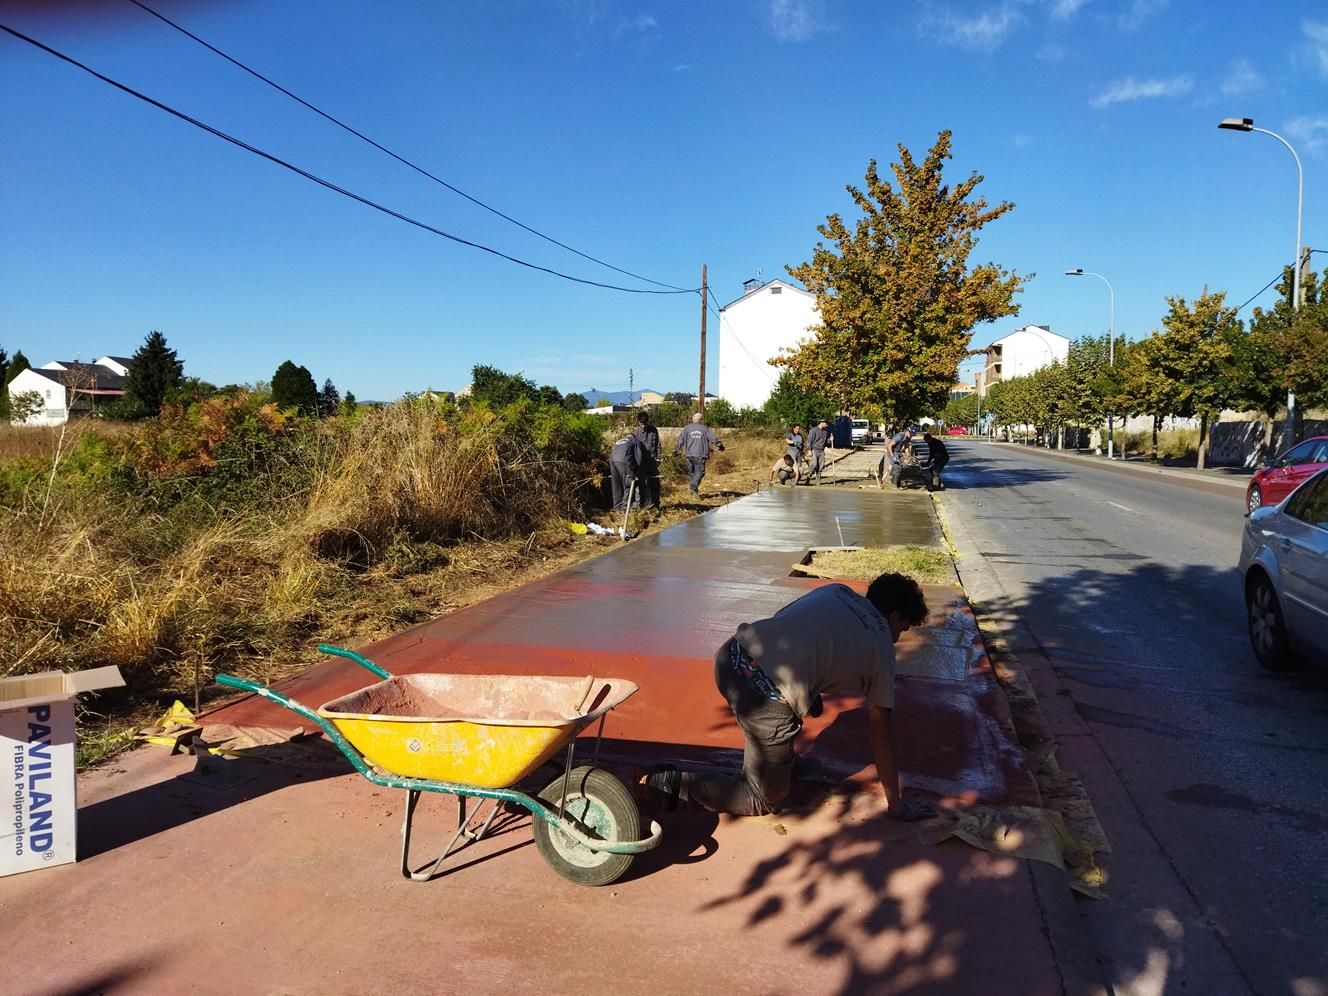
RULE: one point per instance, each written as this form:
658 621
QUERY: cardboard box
39 811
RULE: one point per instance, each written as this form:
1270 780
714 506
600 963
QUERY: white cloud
795 20
1020 140
1310 132
682 67
1140 12
643 22
1316 38
1128 89
1242 80
1063 10
981 32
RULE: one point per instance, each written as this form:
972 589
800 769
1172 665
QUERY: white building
69 389
768 318
1020 353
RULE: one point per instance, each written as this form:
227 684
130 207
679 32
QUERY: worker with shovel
625 461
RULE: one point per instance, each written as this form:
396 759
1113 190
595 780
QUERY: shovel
627 510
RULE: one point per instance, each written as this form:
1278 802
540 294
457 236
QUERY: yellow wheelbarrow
478 735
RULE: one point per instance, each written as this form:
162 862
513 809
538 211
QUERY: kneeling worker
786 470
773 673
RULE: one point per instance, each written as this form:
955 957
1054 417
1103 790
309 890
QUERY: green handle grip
350 655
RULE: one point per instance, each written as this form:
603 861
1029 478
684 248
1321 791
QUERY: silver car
1284 561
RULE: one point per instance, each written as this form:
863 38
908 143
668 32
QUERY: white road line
1123 508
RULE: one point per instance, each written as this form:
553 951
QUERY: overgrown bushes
227 530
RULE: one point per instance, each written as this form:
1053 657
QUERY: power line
401 159
328 183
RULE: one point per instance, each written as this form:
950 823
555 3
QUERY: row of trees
1202 360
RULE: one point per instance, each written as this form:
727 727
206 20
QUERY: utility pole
700 397
631 386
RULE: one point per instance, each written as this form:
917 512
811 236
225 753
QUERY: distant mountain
615 397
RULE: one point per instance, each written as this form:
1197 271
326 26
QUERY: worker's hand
908 811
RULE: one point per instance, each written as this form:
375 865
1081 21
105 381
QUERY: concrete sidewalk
284 878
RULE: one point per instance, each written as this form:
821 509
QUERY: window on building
776 290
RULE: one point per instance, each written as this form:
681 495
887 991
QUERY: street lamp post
1247 124
1111 348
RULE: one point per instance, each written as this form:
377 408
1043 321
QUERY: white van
861 432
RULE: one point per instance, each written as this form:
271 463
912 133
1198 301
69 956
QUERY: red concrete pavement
286 880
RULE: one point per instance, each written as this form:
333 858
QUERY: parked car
956 430
1284 563
1281 476
861 432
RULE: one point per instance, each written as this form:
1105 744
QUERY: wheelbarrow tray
484 730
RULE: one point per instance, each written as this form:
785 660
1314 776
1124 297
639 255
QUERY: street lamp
1247 124
1111 348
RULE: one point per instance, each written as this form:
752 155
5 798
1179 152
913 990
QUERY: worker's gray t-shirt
830 640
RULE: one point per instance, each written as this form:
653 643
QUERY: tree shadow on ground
1150 665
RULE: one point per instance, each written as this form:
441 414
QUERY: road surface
1122 598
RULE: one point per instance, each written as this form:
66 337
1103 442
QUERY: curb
1076 962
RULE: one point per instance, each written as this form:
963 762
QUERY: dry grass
402 518
926 564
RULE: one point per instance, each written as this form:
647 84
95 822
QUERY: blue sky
656 136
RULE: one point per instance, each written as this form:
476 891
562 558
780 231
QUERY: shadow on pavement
209 788
1209 764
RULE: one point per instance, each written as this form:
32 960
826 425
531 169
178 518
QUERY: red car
956 430
1273 482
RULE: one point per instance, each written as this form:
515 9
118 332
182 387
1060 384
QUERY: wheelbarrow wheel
600 805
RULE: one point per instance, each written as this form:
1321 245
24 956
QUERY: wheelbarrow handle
231 681
350 655
300 709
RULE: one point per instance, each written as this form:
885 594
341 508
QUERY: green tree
961 411
25 405
348 404
17 364
897 297
154 371
679 398
550 396
1147 386
575 402
498 389
790 404
1196 354
4 381
329 399
294 387
719 412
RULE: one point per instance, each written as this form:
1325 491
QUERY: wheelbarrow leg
430 870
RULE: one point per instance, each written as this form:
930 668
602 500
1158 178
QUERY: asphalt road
1120 594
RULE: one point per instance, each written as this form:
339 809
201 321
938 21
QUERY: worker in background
939 457
625 468
817 440
648 436
695 442
797 445
895 448
785 471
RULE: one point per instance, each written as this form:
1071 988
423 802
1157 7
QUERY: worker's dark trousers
937 466
817 465
697 465
767 759
621 481
648 484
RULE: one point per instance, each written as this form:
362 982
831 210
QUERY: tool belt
751 672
